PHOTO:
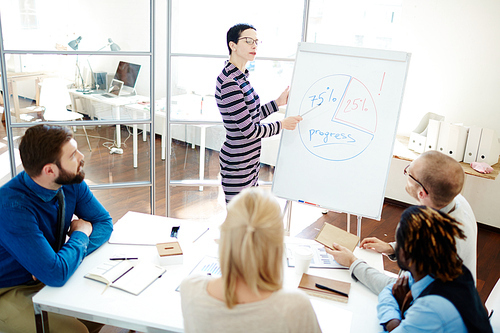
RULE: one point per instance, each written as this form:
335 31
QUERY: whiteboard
339 155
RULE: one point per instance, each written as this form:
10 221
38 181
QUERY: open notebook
129 275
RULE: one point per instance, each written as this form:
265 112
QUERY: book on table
330 234
129 275
328 288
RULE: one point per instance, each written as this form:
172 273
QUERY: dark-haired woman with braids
249 297
438 294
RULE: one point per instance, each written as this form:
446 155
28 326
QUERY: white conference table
157 308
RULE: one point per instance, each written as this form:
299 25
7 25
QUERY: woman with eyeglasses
242 112
249 296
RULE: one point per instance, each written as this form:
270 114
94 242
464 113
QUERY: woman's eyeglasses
406 173
251 41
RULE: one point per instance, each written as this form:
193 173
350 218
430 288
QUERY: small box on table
170 253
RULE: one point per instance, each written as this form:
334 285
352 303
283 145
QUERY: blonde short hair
251 243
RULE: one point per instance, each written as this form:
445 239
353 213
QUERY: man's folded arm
90 209
27 244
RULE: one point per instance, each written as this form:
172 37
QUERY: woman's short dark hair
41 145
234 33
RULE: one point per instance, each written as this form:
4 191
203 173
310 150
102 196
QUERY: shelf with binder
402 152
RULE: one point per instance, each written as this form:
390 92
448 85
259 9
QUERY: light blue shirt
429 313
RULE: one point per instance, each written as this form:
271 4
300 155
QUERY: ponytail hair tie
250 229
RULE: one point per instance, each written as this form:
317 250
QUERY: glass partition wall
92 70
188 40
197 52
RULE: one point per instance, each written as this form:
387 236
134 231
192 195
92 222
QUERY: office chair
54 98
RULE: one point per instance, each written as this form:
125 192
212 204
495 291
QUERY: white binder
489 148
472 145
418 136
452 140
432 134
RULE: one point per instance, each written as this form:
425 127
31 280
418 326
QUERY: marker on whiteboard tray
302 115
309 203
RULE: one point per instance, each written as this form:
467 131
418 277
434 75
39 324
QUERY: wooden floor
102 167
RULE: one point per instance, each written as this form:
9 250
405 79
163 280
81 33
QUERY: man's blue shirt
430 313
28 220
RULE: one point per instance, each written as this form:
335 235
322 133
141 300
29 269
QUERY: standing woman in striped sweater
241 113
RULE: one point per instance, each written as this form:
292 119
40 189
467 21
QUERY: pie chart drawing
342 120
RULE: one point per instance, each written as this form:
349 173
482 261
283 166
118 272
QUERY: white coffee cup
302 256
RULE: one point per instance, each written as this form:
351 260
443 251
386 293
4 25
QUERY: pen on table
201 235
302 115
123 258
320 286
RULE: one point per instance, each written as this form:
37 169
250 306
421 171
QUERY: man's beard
67 178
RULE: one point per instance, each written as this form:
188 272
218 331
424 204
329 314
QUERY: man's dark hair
235 32
42 144
428 237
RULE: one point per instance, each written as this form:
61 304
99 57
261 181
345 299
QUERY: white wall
454 68
454 71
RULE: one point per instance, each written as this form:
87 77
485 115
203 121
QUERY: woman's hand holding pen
283 99
289 123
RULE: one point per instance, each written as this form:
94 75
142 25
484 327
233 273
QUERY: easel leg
287 212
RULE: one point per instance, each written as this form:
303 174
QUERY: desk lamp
114 47
74 45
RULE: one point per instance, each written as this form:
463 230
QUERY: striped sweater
241 113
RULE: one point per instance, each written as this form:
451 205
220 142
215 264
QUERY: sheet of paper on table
321 258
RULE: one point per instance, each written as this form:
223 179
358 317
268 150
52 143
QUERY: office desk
157 308
200 109
188 109
144 110
118 111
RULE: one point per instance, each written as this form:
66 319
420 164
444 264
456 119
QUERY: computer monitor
127 72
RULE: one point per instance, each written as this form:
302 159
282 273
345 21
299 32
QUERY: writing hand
342 255
375 244
283 99
289 123
80 225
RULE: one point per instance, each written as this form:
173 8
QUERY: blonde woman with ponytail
249 296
